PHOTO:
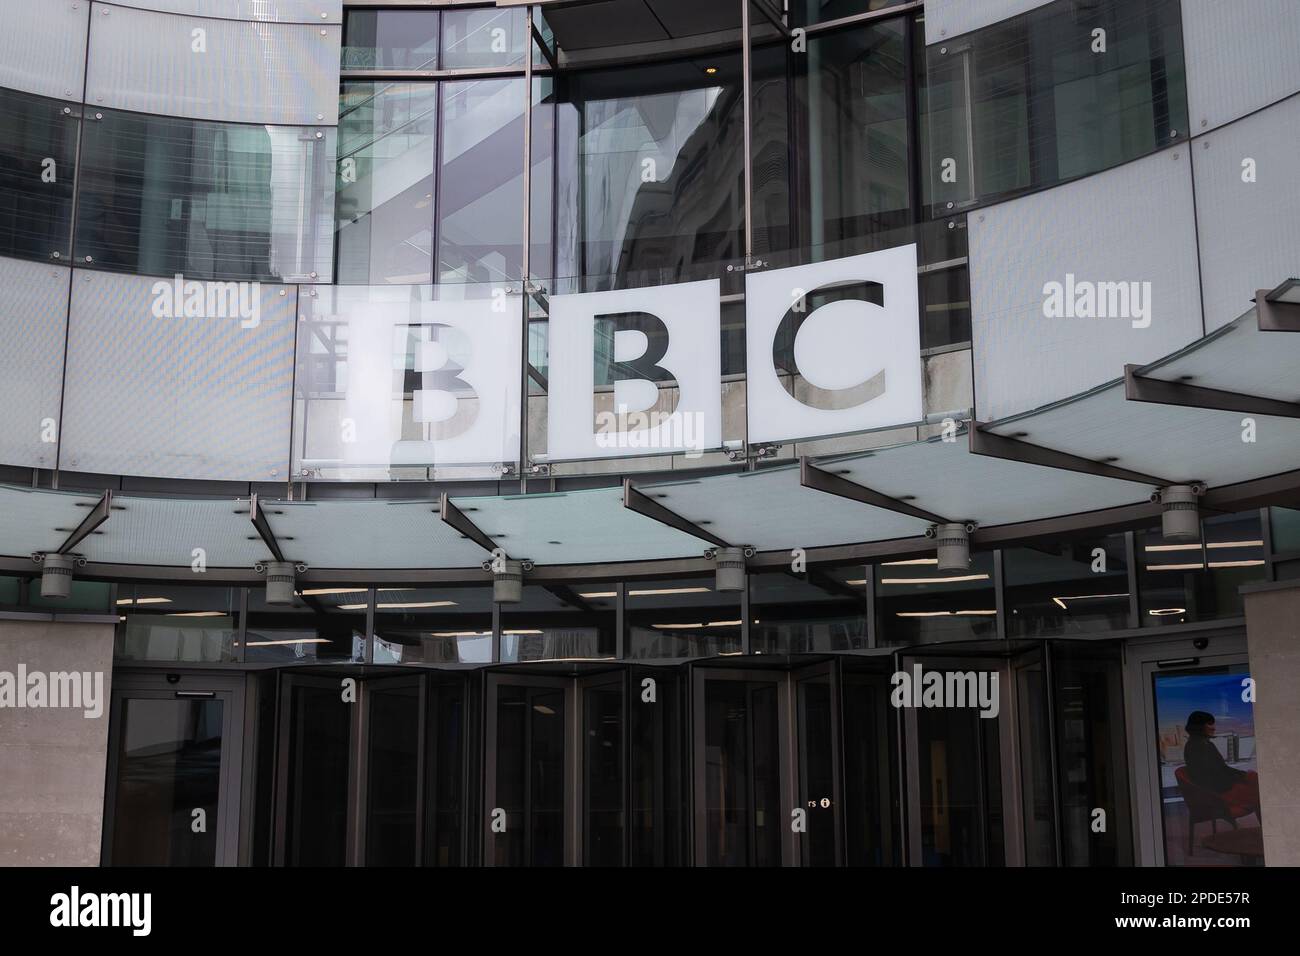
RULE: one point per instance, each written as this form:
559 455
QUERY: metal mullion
873 626
745 644
999 596
1049 680
526 249
840 804
1266 533
369 654
242 630
422 765
620 610
913 118
1134 604
747 122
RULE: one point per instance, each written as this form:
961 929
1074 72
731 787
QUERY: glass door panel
315 767
602 782
392 772
818 772
870 767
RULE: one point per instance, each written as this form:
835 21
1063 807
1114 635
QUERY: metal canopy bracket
1276 316
818 479
258 517
993 445
1140 388
97 516
643 504
453 516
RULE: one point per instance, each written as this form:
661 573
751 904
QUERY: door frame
572 763
157 685
1008 750
782 680
1142 657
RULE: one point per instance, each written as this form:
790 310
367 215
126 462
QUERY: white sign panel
635 372
833 347
392 381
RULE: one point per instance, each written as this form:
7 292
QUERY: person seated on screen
1207 768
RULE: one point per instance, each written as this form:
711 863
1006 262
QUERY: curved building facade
627 432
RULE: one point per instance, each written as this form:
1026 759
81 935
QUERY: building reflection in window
1181 581
433 625
918 603
561 622
1067 587
681 617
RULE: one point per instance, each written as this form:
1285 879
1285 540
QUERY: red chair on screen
1203 804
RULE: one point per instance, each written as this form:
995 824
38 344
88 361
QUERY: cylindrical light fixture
508 582
952 545
279 582
56 575
1180 519
729 567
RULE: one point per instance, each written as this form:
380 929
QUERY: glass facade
38 148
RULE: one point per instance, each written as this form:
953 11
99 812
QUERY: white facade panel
1248 209
152 391
1240 57
275 11
43 46
1035 262
33 319
240 72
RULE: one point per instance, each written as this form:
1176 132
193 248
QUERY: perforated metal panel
242 72
1238 358
176 397
281 11
33 318
43 46
1248 208
369 534
1240 57
1131 224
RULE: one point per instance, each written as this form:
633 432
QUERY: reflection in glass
160 196
323 624
602 791
390 39
384 200
166 623
870 766
817 611
445 813
917 603
38 148
315 803
480 183
741 774
169 765
657 768
393 760
681 617
483 38
854 98
1042 106
1036 766
530 776
433 625
560 622
807 12
817 771
1067 587
1180 581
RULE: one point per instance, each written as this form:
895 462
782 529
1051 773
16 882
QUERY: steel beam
1141 388
1273 316
992 445
818 479
258 517
453 516
97 516
643 504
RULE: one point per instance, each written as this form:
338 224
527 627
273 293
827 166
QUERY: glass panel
390 39
315 807
559 622
165 623
806 12
1286 530
681 617
602 790
393 771
1092 756
1067 587
508 847
10 591
161 196
1181 581
384 200
741 774
1043 102
433 625
169 765
959 766
817 771
92 597
870 768
530 776
854 100
483 38
480 184
658 768
823 610
917 603
446 760
1205 737
649 173
1036 767
38 150
323 624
